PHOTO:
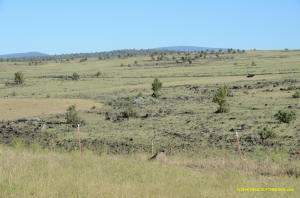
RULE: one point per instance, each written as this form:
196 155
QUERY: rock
147 115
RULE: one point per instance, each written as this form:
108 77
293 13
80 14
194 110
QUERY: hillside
188 48
23 55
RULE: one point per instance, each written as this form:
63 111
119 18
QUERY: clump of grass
266 133
291 87
285 116
129 113
296 94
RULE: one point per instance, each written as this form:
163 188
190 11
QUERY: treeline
112 54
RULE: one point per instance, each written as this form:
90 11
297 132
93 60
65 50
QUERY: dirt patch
12 108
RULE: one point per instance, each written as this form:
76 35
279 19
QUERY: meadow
201 156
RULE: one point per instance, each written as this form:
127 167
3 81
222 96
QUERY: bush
220 98
285 116
266 133
75 76
72 116
19 78
291 87
156 87
296 94
129 113
253 64
83 59
98 74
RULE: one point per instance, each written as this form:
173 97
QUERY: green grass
184 115
32 172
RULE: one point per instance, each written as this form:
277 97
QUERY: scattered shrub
48 96
285 116
19 78
296 94
266 133
72 116
98 74
14 93
220 98
156 87
253 64
83 59
75 76
129 113
291 87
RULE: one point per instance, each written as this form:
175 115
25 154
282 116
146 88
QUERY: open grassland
15 108
44 174
183 117
200 145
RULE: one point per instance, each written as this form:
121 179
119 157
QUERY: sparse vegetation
183 116
19 78
129 113
156 87
285 116
291 87
266 133
72 116
221 99
75 76
296 94
98 74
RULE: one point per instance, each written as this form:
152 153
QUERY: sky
73 26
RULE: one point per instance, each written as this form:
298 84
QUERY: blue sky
70 26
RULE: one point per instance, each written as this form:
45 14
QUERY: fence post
79 142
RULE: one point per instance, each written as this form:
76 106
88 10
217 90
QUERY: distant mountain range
188 48
171 48
23 55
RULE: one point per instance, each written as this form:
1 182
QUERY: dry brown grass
13 108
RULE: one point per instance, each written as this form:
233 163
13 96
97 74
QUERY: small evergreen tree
75 76
156 87
98 74
296 94
19 78
220 98
72 116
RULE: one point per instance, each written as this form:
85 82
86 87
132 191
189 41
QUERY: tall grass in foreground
36 173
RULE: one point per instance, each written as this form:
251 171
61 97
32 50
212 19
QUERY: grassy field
183 119
15 108
35 173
